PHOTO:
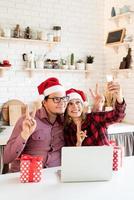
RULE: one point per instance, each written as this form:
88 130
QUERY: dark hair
45 99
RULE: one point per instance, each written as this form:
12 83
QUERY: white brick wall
84 28
82 34
112 59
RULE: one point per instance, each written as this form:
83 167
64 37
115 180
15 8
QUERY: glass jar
50 37
57 33
7 32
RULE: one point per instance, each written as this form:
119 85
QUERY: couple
45 131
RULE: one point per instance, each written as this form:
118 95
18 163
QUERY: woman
90 129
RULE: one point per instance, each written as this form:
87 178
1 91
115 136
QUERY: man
41 132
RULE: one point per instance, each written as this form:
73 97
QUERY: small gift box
117 156
30 168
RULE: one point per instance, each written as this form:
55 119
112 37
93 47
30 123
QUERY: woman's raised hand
115 89
98 99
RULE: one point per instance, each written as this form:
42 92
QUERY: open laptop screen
92 163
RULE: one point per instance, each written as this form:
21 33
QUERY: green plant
90 59
63 61
72 59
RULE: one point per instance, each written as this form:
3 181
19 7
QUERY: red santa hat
76 94
50 86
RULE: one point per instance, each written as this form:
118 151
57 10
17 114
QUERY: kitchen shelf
123 72
2 69
50 44
27 40
117 45
32 71
58 70
126 16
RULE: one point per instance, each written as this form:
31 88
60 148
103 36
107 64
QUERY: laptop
92 163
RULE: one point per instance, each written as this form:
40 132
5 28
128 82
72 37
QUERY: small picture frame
115 37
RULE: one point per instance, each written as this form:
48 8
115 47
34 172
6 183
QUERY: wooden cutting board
5 109
14 114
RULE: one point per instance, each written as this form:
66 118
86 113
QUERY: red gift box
117 156
30 168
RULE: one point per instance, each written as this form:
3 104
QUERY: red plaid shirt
96 126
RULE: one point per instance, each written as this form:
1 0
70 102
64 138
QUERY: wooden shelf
28 40
58 70
45 42
32 71
2 69
123 72
117 45
126 16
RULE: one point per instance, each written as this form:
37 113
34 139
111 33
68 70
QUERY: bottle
31 60
16 33
57 33
28 33
113 13
123 63
128 59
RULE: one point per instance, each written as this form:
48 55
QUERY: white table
121 186
120 128
123 134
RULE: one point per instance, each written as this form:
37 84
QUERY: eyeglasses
58 99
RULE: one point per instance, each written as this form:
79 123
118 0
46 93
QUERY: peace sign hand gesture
80 134
98 99
29 124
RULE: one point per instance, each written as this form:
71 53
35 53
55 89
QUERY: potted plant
80 65
90 60
64 64
72 66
